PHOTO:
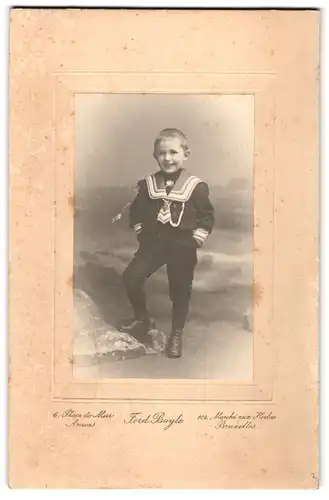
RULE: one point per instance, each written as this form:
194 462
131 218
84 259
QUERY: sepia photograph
163 281
163 236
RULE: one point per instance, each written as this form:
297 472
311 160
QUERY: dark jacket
191 212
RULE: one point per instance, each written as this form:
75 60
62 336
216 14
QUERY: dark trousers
180 260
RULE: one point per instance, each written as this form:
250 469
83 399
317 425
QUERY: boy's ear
187 154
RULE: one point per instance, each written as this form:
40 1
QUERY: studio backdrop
114 149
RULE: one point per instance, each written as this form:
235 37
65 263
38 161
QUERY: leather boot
174 348
136 327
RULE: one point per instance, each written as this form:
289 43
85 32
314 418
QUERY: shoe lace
176 341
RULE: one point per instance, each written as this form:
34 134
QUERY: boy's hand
198 243
138 235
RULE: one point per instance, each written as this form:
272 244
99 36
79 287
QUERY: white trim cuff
137 228
200 235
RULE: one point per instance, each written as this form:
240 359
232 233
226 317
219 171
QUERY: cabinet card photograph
164 228
163 236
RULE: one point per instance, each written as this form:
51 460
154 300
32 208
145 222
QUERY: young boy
172 216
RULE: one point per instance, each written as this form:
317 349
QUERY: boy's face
170 154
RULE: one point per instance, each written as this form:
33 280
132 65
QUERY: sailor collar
181 191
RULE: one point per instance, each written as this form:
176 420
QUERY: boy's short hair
170 133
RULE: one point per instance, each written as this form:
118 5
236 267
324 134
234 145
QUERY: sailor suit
172 216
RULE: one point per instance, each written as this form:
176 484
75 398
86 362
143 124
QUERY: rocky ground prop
94 339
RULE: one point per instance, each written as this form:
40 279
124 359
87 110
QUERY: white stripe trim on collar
181 195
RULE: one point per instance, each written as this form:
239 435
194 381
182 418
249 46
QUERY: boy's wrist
200 235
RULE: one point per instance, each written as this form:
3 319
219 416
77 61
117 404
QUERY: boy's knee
132 278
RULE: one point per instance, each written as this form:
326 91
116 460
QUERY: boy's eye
171 152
